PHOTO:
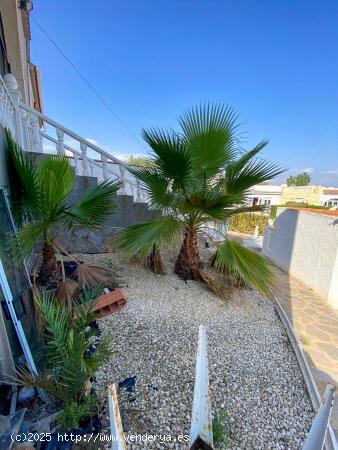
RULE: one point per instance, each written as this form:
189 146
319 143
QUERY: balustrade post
25 130
138 191
104 160
122 172
60 145
14 116
92 168
77 165
85 165
36 136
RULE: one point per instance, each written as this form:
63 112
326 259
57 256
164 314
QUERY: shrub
70 361
221 427
247 222
303 205
74 413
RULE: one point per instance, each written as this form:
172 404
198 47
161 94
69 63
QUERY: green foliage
40 196
302 179
140 161
66 342
221 427
143 236
244 267
305 341
247 222
273 211
74 413
303 205
198 174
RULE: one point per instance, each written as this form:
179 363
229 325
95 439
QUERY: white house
329 197
265 194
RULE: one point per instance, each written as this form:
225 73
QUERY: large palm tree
40 200
197 176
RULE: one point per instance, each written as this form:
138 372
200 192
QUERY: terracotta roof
326 212
330 191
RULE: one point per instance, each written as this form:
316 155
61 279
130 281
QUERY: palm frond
172 159
24 241
156 186
211 134
211 282
57 326
243 266
90 275
247 171
213 204
43 380
56 179
66 292
244 209
143 236
24 190
96 205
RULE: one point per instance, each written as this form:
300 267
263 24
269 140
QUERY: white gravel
254 376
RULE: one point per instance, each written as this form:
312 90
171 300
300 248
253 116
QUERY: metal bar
201 423
16 322
116 429
316 437
330 441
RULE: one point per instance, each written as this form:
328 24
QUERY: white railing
7 108
36 132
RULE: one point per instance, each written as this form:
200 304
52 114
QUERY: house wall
305 244
306 194
265 192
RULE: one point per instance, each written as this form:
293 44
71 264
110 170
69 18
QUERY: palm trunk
49 268
154 260
188 259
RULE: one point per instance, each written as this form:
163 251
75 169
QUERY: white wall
264 192
305 244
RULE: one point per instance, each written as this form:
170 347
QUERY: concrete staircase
128 212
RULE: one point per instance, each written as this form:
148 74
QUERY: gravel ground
257 390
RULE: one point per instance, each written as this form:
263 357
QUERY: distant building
311 195
329 197
265 194
302 194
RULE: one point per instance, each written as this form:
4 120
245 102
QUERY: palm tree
200 175
40 199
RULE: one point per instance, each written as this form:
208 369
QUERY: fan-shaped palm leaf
244 266
143 236
96 205
211 133
23 183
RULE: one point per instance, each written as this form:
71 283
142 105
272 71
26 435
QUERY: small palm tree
40 199
197 176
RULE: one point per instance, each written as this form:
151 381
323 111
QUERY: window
4 65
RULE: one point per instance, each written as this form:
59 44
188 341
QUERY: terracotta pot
110 303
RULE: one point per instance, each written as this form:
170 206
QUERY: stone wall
305 245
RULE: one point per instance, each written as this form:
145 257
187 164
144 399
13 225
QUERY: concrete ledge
330 440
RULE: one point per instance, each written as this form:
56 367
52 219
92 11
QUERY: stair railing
35 132
7 106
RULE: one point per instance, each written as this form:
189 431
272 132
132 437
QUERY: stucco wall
305 244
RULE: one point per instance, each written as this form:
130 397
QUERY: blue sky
275 61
